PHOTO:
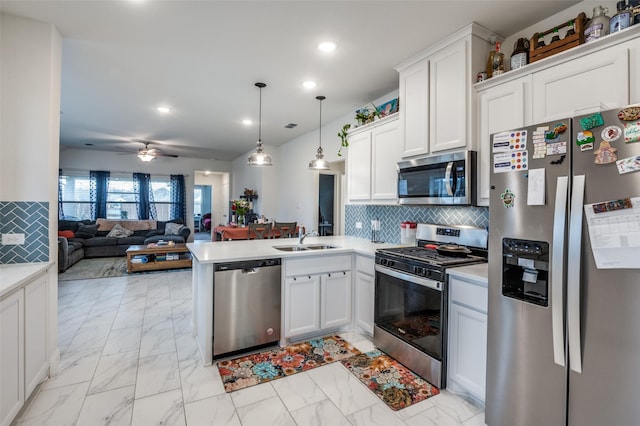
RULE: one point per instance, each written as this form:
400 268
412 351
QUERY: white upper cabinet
436 96
592 82
374 150
501 108
634 54
449 87
414 108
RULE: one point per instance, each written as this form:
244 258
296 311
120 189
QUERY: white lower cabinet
365 289
12 356
467 342
23 343
317 295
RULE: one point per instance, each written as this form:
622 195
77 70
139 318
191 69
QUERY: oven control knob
384 261
390 263
418 270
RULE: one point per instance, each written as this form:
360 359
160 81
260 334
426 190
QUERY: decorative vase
241 220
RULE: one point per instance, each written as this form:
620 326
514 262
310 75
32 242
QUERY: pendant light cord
260 117
320 98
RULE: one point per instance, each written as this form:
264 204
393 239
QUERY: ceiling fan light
260 158
146 157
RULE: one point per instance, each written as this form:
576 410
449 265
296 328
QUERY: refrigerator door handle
447 179
573 274
557 270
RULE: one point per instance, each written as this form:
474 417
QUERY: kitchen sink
305 247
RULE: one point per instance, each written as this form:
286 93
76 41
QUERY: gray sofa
88 242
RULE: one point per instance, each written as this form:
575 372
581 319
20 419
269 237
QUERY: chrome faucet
302 236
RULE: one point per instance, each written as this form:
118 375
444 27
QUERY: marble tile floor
128 358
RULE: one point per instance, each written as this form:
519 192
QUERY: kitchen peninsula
319 287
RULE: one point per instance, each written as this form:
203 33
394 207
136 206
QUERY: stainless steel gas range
411 295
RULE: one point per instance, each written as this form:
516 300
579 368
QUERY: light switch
12 239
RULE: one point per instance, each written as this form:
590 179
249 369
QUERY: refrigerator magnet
605 154
508 198
632 132
629 113
557 148
509 141
628 165
585 140
611 133
591 121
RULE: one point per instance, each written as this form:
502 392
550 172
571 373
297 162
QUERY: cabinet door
414 109
335 295
468 349
634 54
449 88
385 142
596 81
12 356
302 314
359 166
502 107
35 337
365 293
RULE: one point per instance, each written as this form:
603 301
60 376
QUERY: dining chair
285 229
260 230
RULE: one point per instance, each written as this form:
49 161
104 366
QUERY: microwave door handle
447 179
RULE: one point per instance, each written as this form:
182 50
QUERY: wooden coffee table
184 259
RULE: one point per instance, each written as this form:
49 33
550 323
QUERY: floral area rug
392 382
263 367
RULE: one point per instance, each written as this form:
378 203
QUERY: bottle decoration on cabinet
622 19
598 25
520 55
495 61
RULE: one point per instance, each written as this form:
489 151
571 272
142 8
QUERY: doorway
202 212
330 203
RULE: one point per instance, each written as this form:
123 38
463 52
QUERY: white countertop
230 251
14 276
478 272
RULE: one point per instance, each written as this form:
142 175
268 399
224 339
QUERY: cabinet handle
329 274
309 276
294 278
344 272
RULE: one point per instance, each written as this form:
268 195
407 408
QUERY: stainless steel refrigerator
564 284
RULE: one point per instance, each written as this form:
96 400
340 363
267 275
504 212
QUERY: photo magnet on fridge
632 132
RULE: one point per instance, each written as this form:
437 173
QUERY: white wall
30 69
81 159
261 179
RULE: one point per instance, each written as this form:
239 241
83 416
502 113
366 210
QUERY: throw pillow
173 228
119 231
66 234
86 231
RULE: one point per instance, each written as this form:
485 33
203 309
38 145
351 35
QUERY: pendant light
260 158
319 163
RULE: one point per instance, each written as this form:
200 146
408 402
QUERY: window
161 188
197 201
76 201
121 198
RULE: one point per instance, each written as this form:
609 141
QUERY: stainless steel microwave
447 179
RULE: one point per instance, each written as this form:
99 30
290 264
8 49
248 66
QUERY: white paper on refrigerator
536 187
615 235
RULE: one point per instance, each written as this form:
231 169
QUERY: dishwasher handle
246 265
250 271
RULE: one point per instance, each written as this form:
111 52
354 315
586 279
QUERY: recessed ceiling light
164 109
309 84
247 122
327 46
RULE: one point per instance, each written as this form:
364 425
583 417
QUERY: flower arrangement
240 207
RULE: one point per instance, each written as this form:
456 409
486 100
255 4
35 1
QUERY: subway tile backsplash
391 216
30 219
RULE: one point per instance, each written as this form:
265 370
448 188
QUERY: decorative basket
560 45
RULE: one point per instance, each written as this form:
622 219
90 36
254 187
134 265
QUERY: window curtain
60 206
178 197
145 204
99 184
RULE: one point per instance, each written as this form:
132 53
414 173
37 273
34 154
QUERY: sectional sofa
86 239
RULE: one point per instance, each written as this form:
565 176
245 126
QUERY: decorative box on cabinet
374 150
435 93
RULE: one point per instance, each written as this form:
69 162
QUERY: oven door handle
435 285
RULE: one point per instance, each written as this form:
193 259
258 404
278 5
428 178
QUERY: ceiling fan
147 154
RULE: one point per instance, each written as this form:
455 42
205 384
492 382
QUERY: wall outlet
12 239
358 225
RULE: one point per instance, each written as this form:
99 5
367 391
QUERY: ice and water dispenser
525 270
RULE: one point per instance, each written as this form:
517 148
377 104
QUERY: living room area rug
393 383
101 267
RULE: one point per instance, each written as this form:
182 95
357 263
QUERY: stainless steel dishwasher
246 305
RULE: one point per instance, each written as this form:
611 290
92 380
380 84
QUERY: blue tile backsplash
391 217
31 219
